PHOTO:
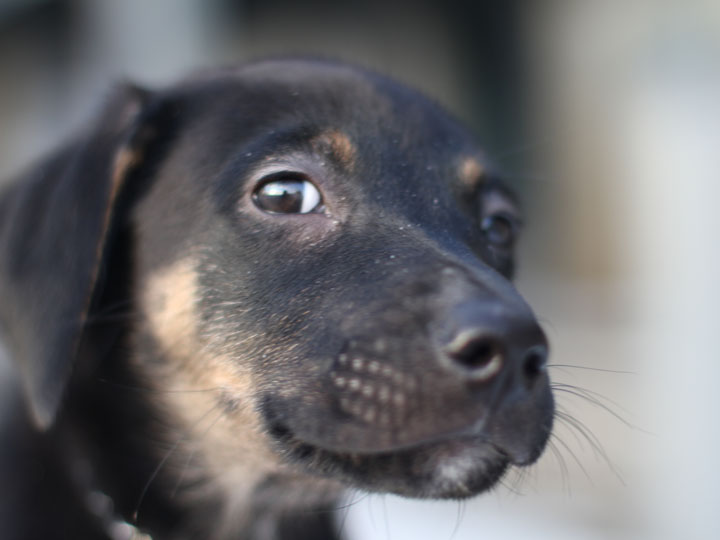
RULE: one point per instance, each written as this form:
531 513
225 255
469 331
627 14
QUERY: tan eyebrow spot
471 172
339 145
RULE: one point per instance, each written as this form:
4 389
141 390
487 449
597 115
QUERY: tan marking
169 304
339 145
471 172
374 367
195 387
125 159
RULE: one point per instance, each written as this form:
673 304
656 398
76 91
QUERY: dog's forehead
379 152
373 130
353 108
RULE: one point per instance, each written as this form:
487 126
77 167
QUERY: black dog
233 297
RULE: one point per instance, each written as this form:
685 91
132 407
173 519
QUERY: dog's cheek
208 395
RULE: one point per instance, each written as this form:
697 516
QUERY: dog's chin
444 469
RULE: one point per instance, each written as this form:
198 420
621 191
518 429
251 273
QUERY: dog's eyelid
283 170
497 200
499 219
281 174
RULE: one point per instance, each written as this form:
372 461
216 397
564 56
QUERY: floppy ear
54 224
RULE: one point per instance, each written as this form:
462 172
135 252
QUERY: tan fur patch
125 159
339 145
208 395
471 172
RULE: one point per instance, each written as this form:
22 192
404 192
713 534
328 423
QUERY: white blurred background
607 117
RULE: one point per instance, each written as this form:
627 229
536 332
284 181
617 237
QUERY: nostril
480 356
534 362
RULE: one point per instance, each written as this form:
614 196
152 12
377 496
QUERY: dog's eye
500 230
287 194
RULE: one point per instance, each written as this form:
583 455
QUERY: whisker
522 474
385 516
460 515
564 472
336 508
192 453
561 410
162 462
595 399
580 429
345 510
592 439
351 503
134 388
572 366
504 483
573 455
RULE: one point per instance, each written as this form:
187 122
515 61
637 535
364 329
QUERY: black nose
496 353
486 341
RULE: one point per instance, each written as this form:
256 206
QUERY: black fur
385 346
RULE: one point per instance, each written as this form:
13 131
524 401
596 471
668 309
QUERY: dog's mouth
416 423
449 468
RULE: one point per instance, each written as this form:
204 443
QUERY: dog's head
319 263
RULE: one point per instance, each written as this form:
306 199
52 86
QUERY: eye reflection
499 230
291 195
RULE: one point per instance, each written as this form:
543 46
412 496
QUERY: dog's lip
358 440
475 434
445 468
445 443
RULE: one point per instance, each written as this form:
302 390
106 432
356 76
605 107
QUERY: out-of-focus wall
626 108
59 57
607 114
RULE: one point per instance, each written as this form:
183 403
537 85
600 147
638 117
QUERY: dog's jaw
214 434
446 468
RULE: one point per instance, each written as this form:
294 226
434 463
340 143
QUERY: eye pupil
499 230
280 197
287 196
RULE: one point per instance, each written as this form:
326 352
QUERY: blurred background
606 117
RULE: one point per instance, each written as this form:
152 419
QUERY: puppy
232 298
